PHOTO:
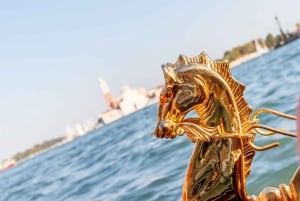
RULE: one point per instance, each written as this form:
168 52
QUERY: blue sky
52 51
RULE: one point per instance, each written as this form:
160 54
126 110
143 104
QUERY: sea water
123 160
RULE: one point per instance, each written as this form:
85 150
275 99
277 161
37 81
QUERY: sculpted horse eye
166 96
169 94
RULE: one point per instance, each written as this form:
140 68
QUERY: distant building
130 101
109 116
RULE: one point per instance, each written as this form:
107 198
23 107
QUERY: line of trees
270 41
37 149
240 51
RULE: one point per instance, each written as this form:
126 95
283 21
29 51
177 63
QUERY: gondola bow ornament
223 131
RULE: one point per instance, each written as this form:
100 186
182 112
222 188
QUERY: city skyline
53 51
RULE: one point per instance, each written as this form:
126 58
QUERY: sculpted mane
222 68
244 110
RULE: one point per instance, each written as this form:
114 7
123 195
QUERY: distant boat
288 40
6 164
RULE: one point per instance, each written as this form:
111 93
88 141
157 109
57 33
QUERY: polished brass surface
223 131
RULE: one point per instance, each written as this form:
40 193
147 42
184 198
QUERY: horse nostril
164 129
161 130
163 125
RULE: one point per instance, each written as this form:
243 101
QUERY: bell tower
106 92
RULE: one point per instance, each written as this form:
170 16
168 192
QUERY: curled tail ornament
223 131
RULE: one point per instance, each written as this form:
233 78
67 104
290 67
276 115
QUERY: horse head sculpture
223 131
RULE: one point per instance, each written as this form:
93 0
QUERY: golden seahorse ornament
223 131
